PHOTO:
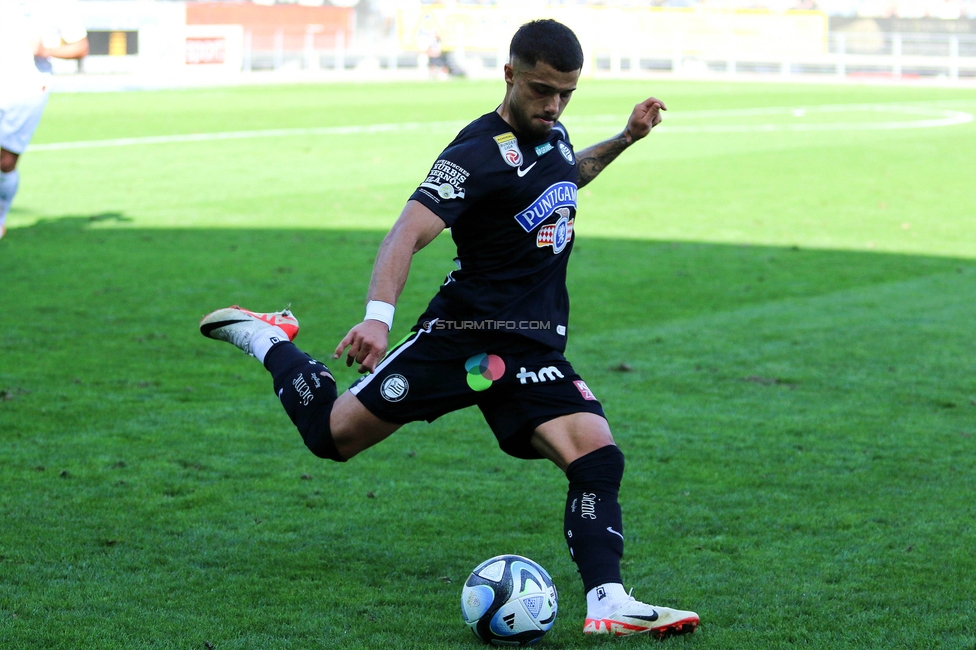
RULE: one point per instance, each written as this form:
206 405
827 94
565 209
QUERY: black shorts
517 383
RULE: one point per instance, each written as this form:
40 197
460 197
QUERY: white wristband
381 311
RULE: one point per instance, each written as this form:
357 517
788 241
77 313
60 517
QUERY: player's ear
509 73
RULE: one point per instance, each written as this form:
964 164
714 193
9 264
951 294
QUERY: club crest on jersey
558 195
566 152
558 234
508 146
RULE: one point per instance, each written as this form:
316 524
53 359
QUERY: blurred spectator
30 34
941 9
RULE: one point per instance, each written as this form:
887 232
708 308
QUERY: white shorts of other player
20 113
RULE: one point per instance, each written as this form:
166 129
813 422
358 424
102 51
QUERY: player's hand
367 343
645 117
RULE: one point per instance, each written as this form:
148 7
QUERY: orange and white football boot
238 326
627 617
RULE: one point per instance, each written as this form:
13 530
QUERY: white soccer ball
509 600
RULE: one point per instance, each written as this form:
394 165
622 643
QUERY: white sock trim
262 341
599 599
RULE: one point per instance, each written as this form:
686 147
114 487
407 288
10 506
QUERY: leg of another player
581 445
9 181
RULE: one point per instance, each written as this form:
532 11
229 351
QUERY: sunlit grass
778 323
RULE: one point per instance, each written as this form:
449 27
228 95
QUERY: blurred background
146 43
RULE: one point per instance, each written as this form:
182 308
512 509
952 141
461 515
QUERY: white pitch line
356 129
938 118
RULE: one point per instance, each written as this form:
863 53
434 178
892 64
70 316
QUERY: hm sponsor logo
549 373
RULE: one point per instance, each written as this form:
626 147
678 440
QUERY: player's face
537 96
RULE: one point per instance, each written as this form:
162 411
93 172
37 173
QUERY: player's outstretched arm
76 50
592 160
416 227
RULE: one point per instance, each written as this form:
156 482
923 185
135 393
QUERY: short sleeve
452 185
70 25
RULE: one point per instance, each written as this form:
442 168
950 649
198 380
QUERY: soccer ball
509 600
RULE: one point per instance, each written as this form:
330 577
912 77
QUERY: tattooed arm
592 160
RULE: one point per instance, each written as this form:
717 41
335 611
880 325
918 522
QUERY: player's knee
318 438
355 428
348 437
603 468
8 161
307 392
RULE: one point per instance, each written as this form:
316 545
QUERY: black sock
307 391
593 523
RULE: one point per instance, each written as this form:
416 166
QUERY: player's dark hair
547 41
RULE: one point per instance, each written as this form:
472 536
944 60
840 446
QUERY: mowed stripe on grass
927 118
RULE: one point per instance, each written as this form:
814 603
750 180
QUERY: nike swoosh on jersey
523 172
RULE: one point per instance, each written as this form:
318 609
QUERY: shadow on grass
157 482
613 283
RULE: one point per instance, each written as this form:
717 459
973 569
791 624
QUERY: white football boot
239 326
629 616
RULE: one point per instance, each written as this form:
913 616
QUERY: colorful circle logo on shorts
484 369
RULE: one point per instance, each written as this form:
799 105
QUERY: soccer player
495 333
31 32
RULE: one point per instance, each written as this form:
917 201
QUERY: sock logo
601 593
588 506
611 530
303 390
323 373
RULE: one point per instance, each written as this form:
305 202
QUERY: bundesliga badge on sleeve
508 146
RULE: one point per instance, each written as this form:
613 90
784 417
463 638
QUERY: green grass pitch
774 297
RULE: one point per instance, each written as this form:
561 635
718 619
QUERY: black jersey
510 204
